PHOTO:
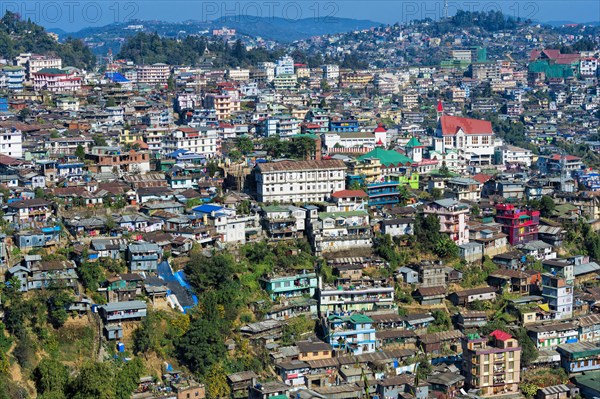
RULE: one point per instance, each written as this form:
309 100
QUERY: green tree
445 247
50 376
80 152
546 206
57 308
201 346
126 379
216 382
94 381
244 144
209 272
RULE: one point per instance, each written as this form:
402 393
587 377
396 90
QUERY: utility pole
445 9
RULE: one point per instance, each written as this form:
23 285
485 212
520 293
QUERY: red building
520 225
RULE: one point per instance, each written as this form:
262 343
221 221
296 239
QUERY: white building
239 74
285 66
56 81
11 143
299 181
201 140
588 67
153 74
36 62
510 154
471 137
331 72
340 231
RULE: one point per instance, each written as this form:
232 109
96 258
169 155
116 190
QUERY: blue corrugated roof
116 77
207 208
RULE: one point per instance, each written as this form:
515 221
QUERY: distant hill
285 30
277 29
561 23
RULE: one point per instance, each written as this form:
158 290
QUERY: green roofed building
391 161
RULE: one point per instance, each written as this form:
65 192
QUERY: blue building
143 257
383 193
579 357
354 334
14 75
345 125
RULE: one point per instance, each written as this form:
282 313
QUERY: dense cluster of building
143 162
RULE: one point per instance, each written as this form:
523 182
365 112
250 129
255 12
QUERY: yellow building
369 169
128 137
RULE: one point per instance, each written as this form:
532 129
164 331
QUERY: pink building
453 216
56 80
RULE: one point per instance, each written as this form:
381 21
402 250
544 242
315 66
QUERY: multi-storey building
579 357
143 257
290 285
285 82
588 67
11 143
339 231
14 76
224 105
453 216
355 297
299 181
558 295
473 138
285 66
36 62
153 74
331 71
431 275
509 155
549 336
492 365
283 222
520 225
56 80
485 71
107 159
239 74
201 140
354 334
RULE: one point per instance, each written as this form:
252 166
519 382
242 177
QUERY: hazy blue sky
72 15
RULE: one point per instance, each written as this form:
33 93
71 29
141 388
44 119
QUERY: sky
72 15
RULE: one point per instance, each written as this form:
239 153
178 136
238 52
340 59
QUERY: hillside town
414 214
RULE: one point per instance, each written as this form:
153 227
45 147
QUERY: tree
201 346
245 145
216 382
445 247
444 171
529 352
80 152
99 141
546 206
50 376
209 272
94 381
57 308
127 378
111 102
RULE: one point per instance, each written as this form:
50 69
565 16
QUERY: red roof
380 129
440 106
557 157
500 335
349 194
452 124
482 178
